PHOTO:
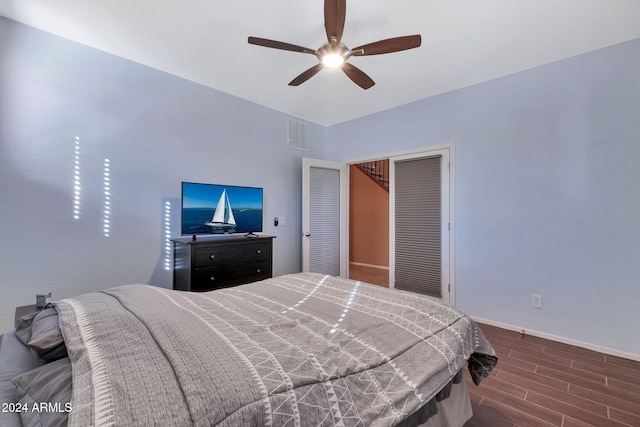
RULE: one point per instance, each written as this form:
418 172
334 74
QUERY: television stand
213 262
251 234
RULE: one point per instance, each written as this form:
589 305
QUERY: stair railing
378 170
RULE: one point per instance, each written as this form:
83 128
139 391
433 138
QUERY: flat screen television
219 209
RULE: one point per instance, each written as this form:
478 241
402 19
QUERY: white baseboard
564 340
382 267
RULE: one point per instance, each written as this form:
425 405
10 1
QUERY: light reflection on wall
167 235
106 179
76 181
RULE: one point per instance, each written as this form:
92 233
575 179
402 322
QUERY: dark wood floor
545 383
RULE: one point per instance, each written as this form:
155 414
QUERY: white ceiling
464 42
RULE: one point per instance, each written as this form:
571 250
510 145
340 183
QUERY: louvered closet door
323 217
420 229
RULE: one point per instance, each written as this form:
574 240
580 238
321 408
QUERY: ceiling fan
334 54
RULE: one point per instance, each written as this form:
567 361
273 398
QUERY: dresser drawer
228 275
211 256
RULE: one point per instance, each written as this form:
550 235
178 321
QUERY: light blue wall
547 191
156 129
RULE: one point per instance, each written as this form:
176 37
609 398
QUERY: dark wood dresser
213 262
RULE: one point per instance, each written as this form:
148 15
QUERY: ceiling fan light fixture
334 54
332 60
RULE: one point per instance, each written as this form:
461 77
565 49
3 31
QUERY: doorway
414 224
369 222
330 240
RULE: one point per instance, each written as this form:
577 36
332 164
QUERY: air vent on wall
298 135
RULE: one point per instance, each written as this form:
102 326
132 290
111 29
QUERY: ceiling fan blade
279 45
334 17
306 75
395 44
357 75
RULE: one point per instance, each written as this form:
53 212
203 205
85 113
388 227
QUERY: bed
296 350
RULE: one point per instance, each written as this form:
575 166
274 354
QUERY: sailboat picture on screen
219 209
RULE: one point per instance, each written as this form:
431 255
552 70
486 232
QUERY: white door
420 223
324 217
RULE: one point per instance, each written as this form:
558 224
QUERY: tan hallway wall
368 220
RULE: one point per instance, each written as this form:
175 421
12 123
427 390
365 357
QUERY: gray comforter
303 349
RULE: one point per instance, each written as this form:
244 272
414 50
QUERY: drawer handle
212 256
259 251
258 271
212 278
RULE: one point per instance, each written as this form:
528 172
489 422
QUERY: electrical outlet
536 301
